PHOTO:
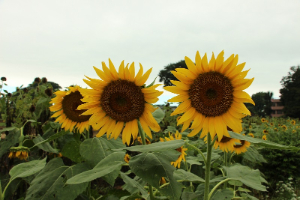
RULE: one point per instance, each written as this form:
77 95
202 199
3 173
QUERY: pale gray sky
63 40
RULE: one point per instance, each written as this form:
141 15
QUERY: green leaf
235 183
151 167
98 146
51 138
192 160
246 175
8 129
50 182
133 186
248 196
158 146
261 142
71 151
183 175
109 164
39 141
27 168
222 194
158 115
243 189
253 156
11 139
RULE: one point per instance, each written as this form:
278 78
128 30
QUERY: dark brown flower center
240 145
211 94
70 104
225 139
123 101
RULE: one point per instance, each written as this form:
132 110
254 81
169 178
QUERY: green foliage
165 74
262 105
290 93
11 139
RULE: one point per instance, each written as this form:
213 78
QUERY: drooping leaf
254 156
246 175
111 163
39 141
27 168
50 182
183 175
71 151
151 167
261 142
133 186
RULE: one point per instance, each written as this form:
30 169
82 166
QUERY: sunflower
211 94
294 131
182 150
275 129
263 120
284 127
21 154
293 122
127 158
119 101
65 108
251 135
272 124
264 137
265 131
241 147
226 143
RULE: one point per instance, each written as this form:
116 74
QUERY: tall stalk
207 167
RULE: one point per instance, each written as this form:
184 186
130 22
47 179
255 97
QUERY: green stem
216 186
199 151
3 193
207 167
142 133
225 163
1 197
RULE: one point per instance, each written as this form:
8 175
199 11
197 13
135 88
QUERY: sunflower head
65 108
264 137
251 135
127 158
293 122
284 127
265 131
226 144
118 101
294 131
211 94
241 147
263 120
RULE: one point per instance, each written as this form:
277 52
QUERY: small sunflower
21 154
263 120
272 124
293 122
181 149
294 131
251 135
226 143
211 94
241 147
119 101
65 108
127 158
284 127
275 129
265 131
264 137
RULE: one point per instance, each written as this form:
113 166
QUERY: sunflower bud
32 108
44 80
49 92
3 78
37 80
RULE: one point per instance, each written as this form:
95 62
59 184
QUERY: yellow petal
141 81
181 85
132 72
191 66
139 74
145 127
204 63
183 78
179 98
195 131
122 71
219 61
198 63
176 90
244 85
102 75
182 107
187 115
113 70
117 130
187 73
212 63
107 71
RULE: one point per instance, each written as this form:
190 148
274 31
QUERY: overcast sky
63 40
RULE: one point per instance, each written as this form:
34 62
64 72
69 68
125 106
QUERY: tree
263 104
166 76
290 93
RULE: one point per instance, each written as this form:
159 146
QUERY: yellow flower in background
264 137
139 139
66 112
265 132
226 143
127 158
250 127
162 181
251 135
293 122
211 94
21 154
275 129
294 131
241 147
119 100
263 120
182 150
284 127
272 124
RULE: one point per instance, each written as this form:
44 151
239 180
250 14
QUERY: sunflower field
110 141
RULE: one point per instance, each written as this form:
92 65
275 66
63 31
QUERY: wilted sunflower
241 147
264 137
65 108
211 94
226 143
21 154
293 122
119 101
177 136
251 135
